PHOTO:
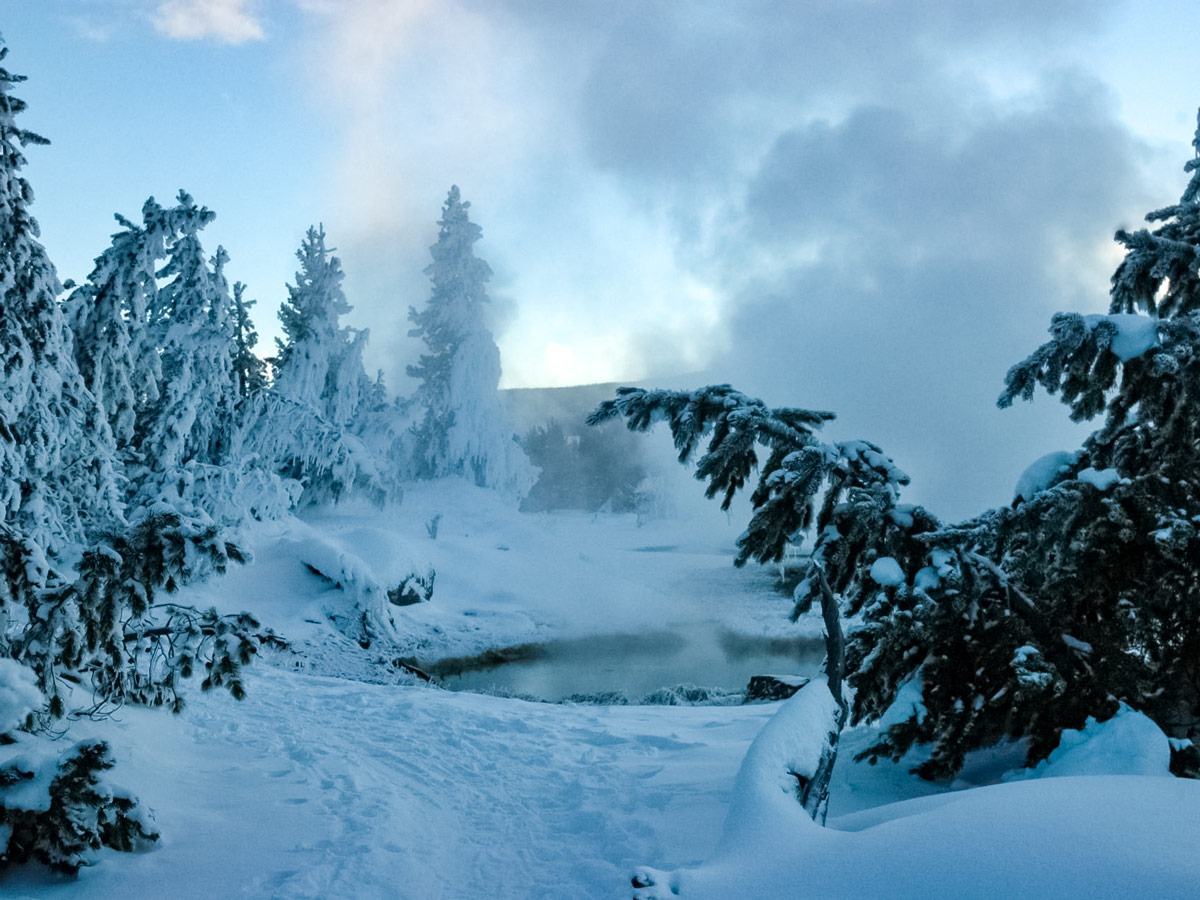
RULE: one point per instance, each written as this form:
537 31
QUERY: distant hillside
569 406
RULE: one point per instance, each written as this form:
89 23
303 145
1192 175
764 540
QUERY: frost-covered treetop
55 453
464 429
319 364
316 300
458 275
192 293
1147 340
1160 274
15 192
18 228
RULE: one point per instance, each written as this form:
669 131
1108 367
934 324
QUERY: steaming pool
634 665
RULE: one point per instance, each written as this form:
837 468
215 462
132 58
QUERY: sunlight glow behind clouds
230 21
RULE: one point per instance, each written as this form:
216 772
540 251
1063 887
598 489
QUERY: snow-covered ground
339 777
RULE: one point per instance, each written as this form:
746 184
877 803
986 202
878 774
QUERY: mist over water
697 653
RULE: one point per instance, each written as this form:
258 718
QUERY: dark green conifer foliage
593 469
1086 594
249 369
111 629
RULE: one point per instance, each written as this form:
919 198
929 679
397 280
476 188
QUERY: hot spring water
702 654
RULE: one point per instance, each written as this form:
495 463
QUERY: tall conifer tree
56 450
320 361
1085 593
250 372
320 422
193 417
463 430
109 315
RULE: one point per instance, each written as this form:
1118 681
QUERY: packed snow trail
326 789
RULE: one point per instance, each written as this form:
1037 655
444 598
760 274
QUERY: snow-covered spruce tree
309 426
56 451
463 429
109 315
56 481
80 813
315 345
250 371
191 423
1086 592
845 491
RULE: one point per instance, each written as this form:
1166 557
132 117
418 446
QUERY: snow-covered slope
369 785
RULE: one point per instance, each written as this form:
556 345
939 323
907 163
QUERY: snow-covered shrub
60 812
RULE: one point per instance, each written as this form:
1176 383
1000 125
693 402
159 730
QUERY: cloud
936 244
92 30
871 207
230 21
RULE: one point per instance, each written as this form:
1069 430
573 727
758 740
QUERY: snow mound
1101 479
1127 744
19 694
886 571
1134 334
1041 474
388 558
374 570
909 704
1057 839
765 798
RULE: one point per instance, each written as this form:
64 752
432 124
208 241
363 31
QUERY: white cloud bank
230 21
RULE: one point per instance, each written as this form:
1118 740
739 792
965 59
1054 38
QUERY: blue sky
866 205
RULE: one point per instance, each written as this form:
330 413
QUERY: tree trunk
814 793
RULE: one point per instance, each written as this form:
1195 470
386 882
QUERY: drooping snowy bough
846 491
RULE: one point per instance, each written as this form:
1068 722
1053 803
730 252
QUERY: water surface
702 654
